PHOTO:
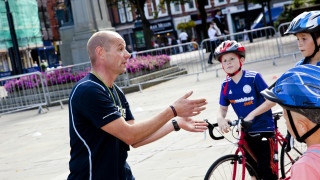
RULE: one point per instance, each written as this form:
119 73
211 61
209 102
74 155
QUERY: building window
128 11
190 6
207 4
4 65
162 11
175 8
148 9
220 2
125 12
122 13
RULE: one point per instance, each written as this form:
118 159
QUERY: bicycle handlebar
211 128
245 124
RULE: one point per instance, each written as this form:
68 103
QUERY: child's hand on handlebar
223 125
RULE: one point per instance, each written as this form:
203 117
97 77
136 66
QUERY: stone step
154 75
135 88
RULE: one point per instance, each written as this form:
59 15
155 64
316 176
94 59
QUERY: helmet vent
308 103
311 85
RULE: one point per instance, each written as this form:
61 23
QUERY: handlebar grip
246 124
210 128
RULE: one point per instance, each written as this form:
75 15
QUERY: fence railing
260 44
288 45
59 82
161 64
22 92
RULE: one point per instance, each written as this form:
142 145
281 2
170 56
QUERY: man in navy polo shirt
101 124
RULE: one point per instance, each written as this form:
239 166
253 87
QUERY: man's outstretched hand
186 107
191 125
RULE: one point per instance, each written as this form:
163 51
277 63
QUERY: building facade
166 24
26 26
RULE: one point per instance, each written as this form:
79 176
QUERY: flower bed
147 63
66 75
59 76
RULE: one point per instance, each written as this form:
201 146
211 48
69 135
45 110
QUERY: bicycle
234 166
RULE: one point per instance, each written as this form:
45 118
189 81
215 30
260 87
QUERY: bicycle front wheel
223 169
287 159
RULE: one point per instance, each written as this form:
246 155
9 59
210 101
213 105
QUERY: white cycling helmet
307 22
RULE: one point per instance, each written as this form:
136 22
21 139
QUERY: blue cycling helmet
298 87
307 22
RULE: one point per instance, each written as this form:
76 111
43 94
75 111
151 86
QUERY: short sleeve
260 84
303 171
95 105
224 101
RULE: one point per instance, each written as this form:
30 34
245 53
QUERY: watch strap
175 125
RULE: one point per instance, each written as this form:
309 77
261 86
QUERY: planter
144 71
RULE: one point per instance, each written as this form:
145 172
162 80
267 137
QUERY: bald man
102 126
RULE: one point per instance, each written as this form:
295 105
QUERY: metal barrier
59 82
288 43
22 92
264 46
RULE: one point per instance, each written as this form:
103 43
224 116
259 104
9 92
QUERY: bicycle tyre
285 163
222 169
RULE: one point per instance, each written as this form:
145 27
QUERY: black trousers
212 46
261 148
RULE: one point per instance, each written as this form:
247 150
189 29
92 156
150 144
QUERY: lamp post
15 55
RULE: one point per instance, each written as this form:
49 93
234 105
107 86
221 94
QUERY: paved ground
36 147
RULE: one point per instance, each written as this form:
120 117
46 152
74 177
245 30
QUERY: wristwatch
175 125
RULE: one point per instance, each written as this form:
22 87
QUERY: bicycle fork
241 159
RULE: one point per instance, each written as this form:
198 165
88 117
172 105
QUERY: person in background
213 32
35 64
219 20
183 36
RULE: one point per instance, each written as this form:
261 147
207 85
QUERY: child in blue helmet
242 90
306 27
298 92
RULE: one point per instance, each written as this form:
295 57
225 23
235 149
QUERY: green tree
315 1
298 3
287 14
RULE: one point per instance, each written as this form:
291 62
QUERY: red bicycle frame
243 148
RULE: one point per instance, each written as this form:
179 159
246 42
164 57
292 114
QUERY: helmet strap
306 135
317 47
226 86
